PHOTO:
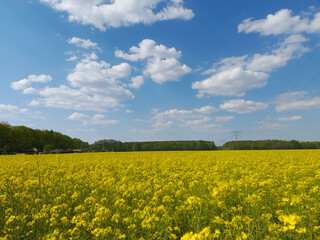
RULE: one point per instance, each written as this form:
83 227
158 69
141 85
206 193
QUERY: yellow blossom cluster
161 195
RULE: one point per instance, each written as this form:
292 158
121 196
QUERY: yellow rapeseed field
161 195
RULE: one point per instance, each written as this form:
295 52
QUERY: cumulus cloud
282 22
100 78
69 98
175 114
290 48
82 43
205 127
162 62
164 70
234 76
17 114
148 48
93 85
196 119
242 106
162 125
292 118
72 58
206 109
116 13
226 64
296 101
26 82
183 115
9 111
199 125
224 118
29 91
136 82
270 125
97 119
232 82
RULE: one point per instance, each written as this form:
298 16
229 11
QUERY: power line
236 134
305 81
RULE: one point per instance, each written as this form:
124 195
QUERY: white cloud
29 90
162 125
40 78
164 70
206 110
290 48
196 119
162 62
9 111
233 82
116 13
18 115
270 125
296 101
242 106
267 62
196 122
175 114
224 118
136 82
183 115
227 64
72 58
26 82
82 43
200 125
205 127
89 57
69 98
292 118
282 22
94 86
148 48
97 119
22 84
235 76
100 78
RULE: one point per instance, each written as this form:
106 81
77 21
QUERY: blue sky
145 70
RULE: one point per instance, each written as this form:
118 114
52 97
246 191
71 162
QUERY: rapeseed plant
161 195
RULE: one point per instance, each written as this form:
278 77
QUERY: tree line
269 144
110 145
21 139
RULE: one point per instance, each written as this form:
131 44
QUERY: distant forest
116 146
269 144
21 139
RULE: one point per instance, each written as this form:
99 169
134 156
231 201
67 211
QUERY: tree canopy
269 144
115 146
24 139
